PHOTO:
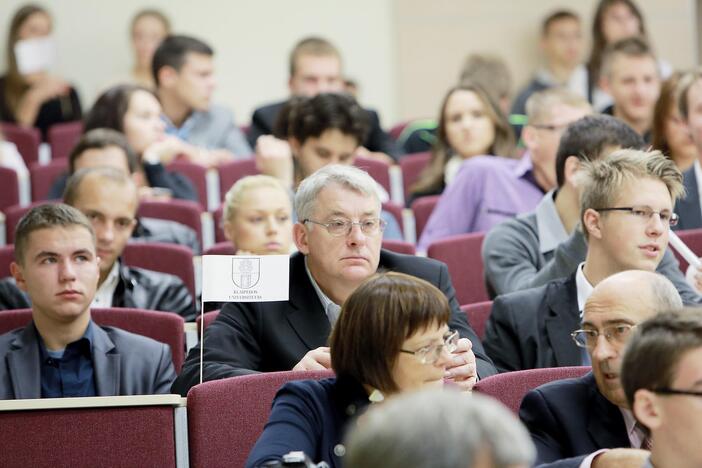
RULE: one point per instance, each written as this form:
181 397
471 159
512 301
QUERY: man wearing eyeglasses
662 379
338 235
627 201
571 420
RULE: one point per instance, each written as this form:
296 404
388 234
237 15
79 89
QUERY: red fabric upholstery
13 215
693 239
220 248
478 315
9 188
161 326
42 177
397 129
378 170
399 246
396 211
411 166
7 256
422 208
509 388
462 255
185 212
218 227
196 174
117 437
209 318
230 172
226 417
63 137
167 258
27 141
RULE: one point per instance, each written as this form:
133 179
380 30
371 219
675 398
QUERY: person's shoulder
126 341
406 263
271 108
567 388
514 227
150 278
7 338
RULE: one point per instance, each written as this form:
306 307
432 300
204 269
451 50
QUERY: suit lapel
306 315
562 319
689 207
24 366
605 421
106 363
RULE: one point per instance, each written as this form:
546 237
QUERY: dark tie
646 442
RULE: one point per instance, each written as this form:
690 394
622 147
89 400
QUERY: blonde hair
234 196
601 180
539 106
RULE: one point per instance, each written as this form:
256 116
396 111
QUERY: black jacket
250 337
137 288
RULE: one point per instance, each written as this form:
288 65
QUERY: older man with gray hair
338 235
439 429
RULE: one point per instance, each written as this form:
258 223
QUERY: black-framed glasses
431 354
675 391
343 227
645 213
615 334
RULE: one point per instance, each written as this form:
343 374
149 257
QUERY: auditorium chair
478 315
167 258
462 255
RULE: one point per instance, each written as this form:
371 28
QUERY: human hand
463 370
274 158
621 458
317 359
694 278
165 150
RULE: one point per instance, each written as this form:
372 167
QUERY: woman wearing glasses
374 355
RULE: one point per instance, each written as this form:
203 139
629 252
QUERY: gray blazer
688 208
123 363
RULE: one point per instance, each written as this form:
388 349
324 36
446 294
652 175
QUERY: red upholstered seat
218 227
693 239
399 246
9 188
422 208
209 317
478 315
196 174
27 141
220 248
42 177
232 171
396 211
226 417
62 137
462 255
161 326
13 215
184 212
167 258
378 170
412 166
510 387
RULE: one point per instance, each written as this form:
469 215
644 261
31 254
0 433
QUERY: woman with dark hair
669 132
29 95
470 124
392 336
134 111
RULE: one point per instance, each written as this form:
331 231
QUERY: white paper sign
35 55
245 278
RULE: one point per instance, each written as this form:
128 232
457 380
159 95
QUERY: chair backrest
62 137
397 129
13 215
9 188
510 387
42 177
7 256
196 174
399 246
209 317
167 258
396 211
378 170
220 248
226 417
232 171
478 315
164 327
184 212
462 255
217 222
693 239
411 166
27 141
422 208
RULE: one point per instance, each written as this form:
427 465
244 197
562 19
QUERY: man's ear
570 168
300 236
18 275
647 409
167 76
530 137
295 146
592 223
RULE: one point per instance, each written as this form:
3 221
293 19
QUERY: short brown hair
555 16
601 180
46 217
376 319
686 81
312 45
652 354
665 106
489 72
101 138
629 47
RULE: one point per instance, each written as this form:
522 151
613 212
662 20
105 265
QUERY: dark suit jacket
273 336
688 208
264 119
123 364
569 419
531 328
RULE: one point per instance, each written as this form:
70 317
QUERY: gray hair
665 295
348 177
71 193
438 429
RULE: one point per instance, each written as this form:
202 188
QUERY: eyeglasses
431 354
675 391
339 227
615 334
550 127
645 213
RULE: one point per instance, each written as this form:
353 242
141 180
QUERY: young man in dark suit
338 235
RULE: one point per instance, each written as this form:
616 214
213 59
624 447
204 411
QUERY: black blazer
688 208
531 328
273 336
569 419
264 119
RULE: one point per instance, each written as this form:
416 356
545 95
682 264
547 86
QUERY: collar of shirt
77 346
103 295
583 286
633 430
183 131
549 225
330 308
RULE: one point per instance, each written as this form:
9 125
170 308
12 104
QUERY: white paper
245 278
35 55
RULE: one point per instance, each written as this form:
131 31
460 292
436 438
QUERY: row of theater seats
224 419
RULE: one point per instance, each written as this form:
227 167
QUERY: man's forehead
336 199
634 193
60 239
107 197
604 311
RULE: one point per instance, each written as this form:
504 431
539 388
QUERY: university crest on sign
246 272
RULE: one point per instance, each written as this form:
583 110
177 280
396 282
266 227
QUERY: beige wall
404 53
